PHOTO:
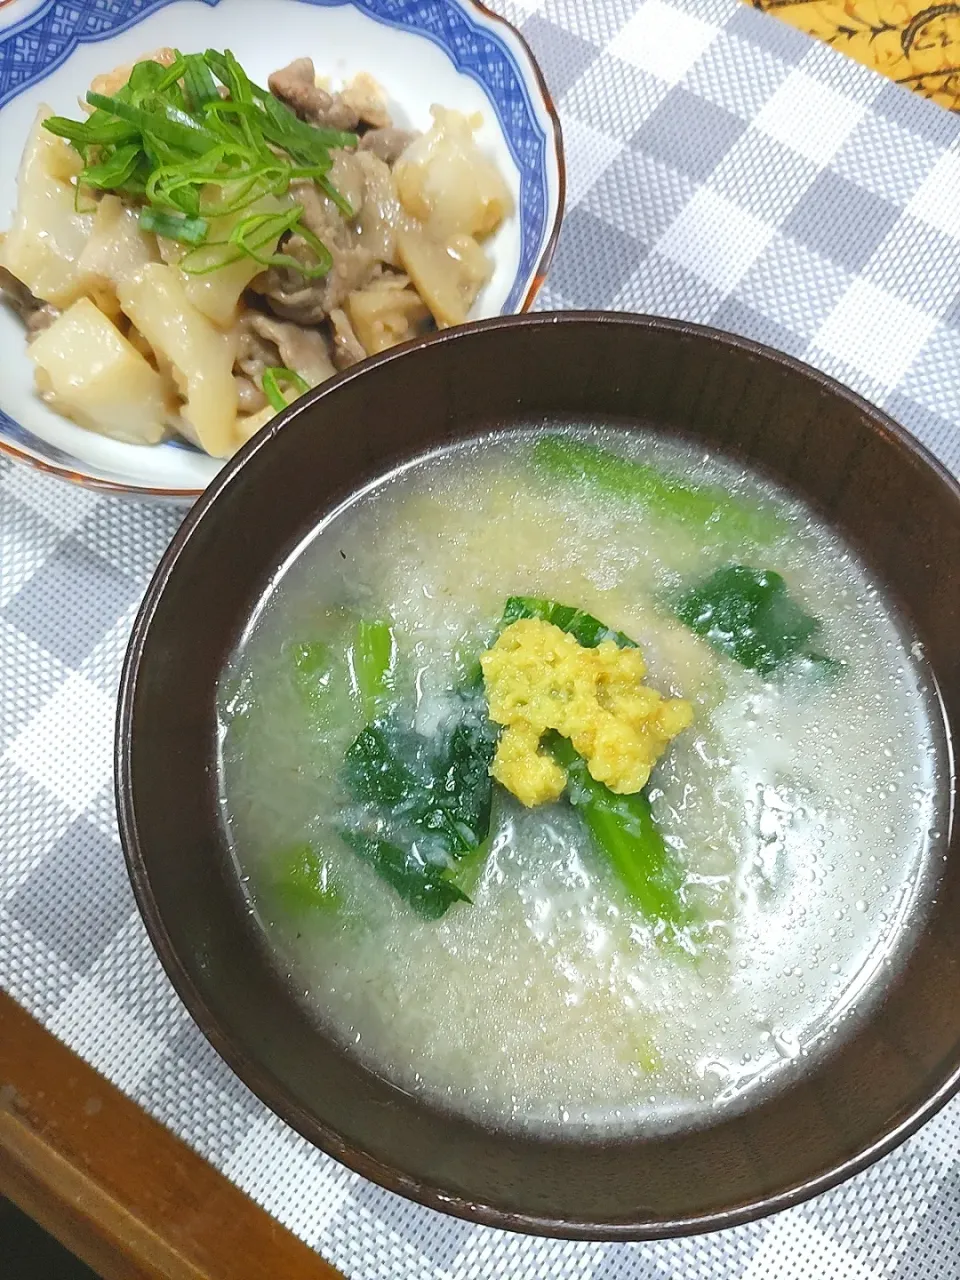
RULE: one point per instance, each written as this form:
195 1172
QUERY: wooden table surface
115 1186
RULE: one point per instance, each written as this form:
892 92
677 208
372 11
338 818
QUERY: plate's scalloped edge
57 43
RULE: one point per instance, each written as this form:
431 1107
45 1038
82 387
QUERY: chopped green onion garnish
271 386
99 130
116 171
151 77
166 124
174 227
197 141
199 86
323 256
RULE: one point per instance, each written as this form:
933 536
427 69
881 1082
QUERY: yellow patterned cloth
916 44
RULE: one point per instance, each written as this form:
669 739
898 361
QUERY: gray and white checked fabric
725 169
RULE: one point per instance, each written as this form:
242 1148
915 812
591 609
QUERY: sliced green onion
159 152
186 187
304 142
321 252
136 184
152 77
175 73
172 227
199 85
218 65
271 386
268 181
240 91
248 238
284 119
208 256
92 132
246 189
238 82
178 185
167 125
115 171
78 193
251 234
311 150
170 138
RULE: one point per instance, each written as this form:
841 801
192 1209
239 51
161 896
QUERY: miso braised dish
579 779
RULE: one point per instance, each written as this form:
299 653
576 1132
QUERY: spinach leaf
442 790
584 627
423 795
376 772
748 615
420 883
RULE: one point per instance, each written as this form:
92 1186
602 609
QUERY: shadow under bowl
901 1060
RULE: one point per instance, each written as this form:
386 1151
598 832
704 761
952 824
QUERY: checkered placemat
723 168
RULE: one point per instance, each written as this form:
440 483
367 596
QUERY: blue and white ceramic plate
454 52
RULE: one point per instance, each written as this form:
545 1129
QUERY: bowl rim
258 1079
100 484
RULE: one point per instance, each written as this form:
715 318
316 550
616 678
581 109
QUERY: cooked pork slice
307 302
250 399
388 143
303 350
347 347
296 85
255 354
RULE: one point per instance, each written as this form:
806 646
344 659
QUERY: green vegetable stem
623 829
373 661
271 386
705 508
358 663
303 881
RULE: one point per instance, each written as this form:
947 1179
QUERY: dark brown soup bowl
840 1110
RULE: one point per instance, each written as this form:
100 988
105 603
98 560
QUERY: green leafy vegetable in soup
432 797
373 660
709 509
584 628
624 831
304 881
748 615
427 887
